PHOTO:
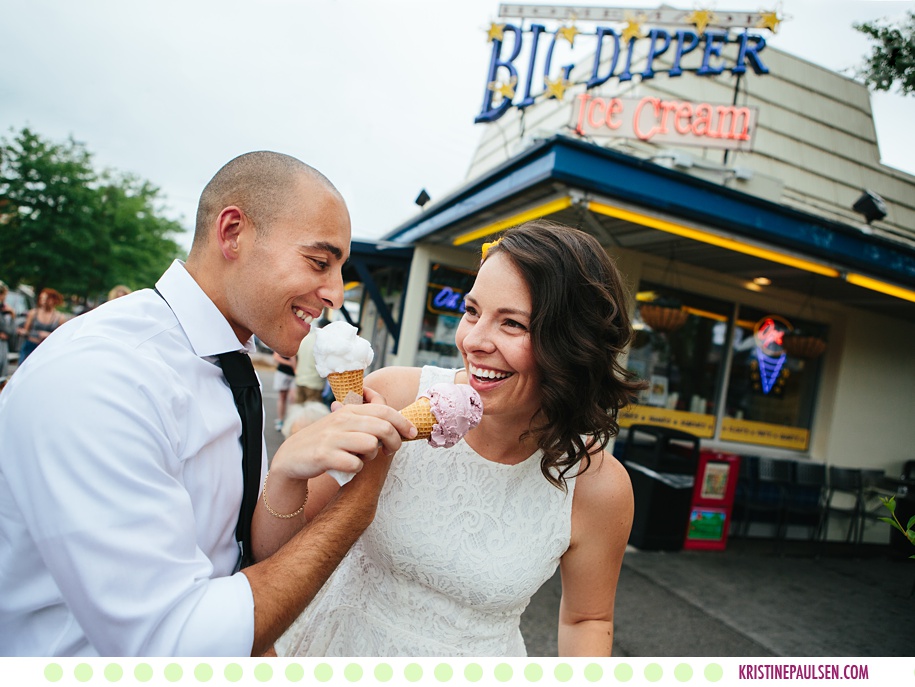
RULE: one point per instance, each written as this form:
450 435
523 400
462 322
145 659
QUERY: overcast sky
378 95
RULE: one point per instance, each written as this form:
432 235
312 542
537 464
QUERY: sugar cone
342 383
420 414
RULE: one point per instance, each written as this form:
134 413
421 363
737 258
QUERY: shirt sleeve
99 485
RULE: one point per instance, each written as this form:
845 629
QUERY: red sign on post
713 500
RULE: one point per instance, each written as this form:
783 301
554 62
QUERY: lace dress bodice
458 546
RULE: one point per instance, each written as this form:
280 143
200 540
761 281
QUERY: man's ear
229 225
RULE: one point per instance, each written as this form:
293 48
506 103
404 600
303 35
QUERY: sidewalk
751 601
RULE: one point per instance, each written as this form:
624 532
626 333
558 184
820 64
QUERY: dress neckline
468 449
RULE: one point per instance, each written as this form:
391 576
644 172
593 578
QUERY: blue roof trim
536 171
735 212
599 170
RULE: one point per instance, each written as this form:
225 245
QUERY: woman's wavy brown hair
579 328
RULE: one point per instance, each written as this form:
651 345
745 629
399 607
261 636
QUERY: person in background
118 291
7 329
119 526
464 536
40 322
308 383
283 385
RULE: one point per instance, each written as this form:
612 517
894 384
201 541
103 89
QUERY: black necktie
239 373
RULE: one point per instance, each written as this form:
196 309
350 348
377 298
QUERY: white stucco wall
872 415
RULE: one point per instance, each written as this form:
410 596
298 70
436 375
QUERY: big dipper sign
700 34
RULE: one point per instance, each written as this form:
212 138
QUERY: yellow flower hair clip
487 246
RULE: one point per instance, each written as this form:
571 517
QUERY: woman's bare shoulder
605 483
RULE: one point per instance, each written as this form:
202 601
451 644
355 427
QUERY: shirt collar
205 326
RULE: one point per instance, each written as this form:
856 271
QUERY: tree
64 225
892 57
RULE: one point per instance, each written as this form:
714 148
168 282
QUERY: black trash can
662 464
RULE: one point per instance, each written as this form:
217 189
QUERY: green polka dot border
379 671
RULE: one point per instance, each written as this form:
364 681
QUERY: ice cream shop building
769 254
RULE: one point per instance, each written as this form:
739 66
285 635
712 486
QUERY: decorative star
768 20
701 19
506 90
555 89
496 32
569 33
633 28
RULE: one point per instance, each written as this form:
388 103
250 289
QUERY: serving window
724 370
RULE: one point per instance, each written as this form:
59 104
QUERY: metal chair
908 470
746 484
871 507
846 484
806 500
773 477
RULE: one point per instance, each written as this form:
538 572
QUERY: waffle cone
342 383
420 414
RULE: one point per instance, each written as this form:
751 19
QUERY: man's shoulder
140 336
133 320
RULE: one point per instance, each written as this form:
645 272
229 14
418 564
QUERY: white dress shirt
120 485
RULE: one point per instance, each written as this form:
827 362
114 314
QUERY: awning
639 205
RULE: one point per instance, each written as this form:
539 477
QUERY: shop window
771 389
679 348
443 311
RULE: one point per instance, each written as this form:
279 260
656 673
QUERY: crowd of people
127 526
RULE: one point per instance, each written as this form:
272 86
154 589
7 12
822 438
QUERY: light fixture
880 286
682 160
534 213
762 281
743 173
871 206
712 239
422 198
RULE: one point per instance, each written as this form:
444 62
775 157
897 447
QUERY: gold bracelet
280 515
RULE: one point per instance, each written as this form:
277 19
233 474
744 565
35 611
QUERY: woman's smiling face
495 341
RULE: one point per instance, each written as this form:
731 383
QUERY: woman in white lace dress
463 537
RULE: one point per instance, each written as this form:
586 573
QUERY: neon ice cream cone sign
769 334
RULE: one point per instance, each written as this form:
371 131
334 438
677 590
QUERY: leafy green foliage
907 531
67 226
892 58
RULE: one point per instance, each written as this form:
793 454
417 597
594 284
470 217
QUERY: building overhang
636 204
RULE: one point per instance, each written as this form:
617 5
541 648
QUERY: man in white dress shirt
120 461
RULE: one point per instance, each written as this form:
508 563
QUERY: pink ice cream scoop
444 413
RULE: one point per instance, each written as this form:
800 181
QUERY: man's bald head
260 183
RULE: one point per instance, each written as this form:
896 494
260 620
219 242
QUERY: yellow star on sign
495 32
568 32
633 29
555 89
506 90
768 20
701 19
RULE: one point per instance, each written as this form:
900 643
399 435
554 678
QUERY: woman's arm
602 509
27 325
398 385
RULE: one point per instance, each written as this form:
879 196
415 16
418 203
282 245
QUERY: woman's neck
501 442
